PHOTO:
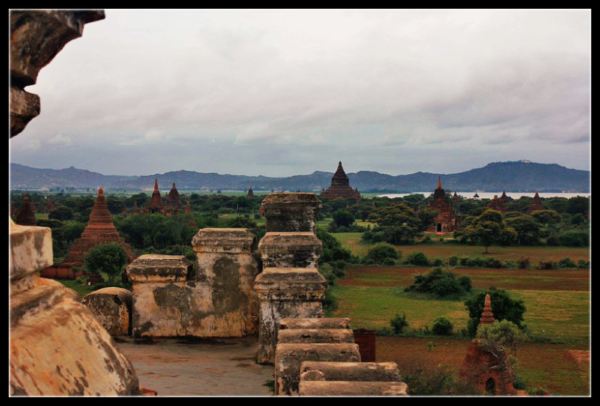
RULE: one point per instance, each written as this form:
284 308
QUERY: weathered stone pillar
162 301
290 212
225 278
57 347
283 293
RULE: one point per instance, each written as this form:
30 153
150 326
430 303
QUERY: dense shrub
383 254
547 265
567 263
479 262
417 258
442 327
438 262
108 259
332 249
440 284
398 323
330 302
574 238
523 263
453 260
582 264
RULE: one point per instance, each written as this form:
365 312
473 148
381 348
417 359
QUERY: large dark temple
340 187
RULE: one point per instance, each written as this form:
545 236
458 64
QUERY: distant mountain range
513 176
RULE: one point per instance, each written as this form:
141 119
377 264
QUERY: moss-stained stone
216 301
290 212
285 293
289 357
352 388
290 250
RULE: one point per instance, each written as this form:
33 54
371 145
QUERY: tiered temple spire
487 316
340 187
99 230
155 200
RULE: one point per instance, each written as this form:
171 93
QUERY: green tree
343 218
528 230
108 259
61 213
384 254
399 323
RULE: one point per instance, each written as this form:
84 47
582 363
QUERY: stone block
290 250
285 293
153 268
349 371
289 358
290 212
58 348
315 336
112 308
352 388
312 323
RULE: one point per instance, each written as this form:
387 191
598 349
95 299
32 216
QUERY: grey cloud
282 92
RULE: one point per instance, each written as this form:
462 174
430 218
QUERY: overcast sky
289 92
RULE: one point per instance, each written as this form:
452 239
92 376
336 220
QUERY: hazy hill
514 176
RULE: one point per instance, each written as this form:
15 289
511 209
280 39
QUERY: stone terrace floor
192 367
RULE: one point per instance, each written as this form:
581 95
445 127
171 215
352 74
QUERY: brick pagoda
340 187
445 220
489 372
99 230
155 200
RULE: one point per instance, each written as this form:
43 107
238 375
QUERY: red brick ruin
485 370
445 220
99 230
340 187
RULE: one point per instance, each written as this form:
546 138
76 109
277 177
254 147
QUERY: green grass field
557 302
444 250
557 309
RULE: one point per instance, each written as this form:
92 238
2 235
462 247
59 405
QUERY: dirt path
175 367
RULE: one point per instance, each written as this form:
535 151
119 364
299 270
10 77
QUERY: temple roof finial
487 316
439 182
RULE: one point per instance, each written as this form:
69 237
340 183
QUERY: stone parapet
290 250
285 293
153 268
315 323
290 212
289 357
349 371
112 308
322 336
216 299
351 388
223 240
